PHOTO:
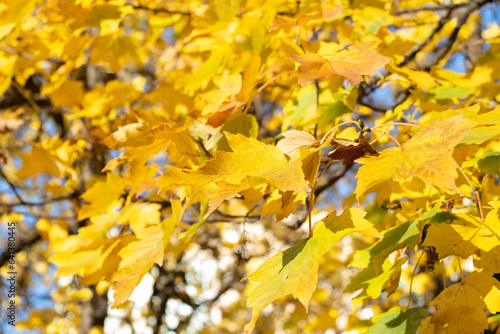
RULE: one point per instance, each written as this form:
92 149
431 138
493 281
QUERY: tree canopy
256 166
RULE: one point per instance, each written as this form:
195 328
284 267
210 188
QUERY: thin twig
13 187
460 267
161 10
411 280
316 86
479 206
313 195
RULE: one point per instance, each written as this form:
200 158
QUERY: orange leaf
350 64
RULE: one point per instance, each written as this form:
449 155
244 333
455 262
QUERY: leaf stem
336 127
181 213
390 136
328 133
444 274
383 133
396 123
479 206
26 95
316 86
270 68
460 267
411 280
264 85
475 192
312 198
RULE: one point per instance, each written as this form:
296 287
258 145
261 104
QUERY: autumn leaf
293 140
142 142
350 64
249 77
251 163
8 124
373 279
487 123
348 151
406 234
466 236
102 196
182 143
304 19
41 160
397 321
283 204
487 163
398 237
460 307
295 270
137 258
14 12
426 155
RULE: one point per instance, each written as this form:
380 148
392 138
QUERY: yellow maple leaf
142 142
12 13
460 307
469 236
101 196
141 254
40 160
137 258
282 204
250 77
140 216
251 163
303 19
80 258
106 265
426 155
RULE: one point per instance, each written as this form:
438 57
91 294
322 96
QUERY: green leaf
374 281
395 321
488 163
329 112
447 93
296 110
295 270
480 134
406 234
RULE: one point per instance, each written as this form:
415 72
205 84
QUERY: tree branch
20 245
161 10
366 88
431 8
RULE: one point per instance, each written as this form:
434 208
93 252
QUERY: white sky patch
230 236
140 297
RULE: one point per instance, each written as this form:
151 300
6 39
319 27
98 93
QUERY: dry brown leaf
348 151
